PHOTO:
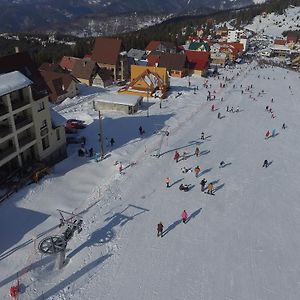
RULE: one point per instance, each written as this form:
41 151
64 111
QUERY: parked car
121 82
75 124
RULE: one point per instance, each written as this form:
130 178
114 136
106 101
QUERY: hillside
241 243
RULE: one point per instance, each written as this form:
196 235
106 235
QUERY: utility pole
148 102
101 135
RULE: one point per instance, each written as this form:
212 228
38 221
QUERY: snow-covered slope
274 25
241 243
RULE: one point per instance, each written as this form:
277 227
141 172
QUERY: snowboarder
210 188
167 181
160 228
176 156
184 216
202 183
202 135
197 152
283 126
184 187
197 171
266 163
112 141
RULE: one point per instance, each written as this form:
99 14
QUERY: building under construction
147 81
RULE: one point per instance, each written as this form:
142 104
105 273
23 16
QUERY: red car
75 124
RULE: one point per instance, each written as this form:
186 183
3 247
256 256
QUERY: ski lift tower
163 133
56 244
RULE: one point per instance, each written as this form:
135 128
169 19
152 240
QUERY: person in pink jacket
184 216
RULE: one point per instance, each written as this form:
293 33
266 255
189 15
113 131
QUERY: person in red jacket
197 171
184 216
176 156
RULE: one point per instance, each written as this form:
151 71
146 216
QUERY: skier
267 134
197 152
112 141
167 181
184 187
176 156
212 107
210 188
227 108
160 228
283 126
120 168
237 109
267 108
184 155
231 109
202 135
219 115
266 163
184 170
197 171
184 216
202 183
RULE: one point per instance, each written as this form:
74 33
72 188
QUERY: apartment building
27 133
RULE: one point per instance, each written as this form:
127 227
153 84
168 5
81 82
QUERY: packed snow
240 243
274 25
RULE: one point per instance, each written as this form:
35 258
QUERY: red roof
153 59
280 42
198 60
68 62
152 45
107 50
291 39
239 47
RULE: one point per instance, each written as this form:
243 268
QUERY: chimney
17 49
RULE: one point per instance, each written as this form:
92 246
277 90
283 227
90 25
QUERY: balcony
4 131
17 103
3 109
22 121
23 141
6 152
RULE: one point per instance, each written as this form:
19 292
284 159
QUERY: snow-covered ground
241 243
273 25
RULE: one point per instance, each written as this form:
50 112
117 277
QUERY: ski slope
241 243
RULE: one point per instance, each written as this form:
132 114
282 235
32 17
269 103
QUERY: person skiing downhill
212 107
283 126
176 156
202 135
197 152
160 228
202 183
184 216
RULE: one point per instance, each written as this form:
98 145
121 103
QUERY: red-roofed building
68 62
163 47
108 54
279 42
198 62
153 59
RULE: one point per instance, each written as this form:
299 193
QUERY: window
45 143
41 106
44 124
57 134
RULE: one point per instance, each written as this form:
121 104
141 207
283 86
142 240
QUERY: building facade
27 133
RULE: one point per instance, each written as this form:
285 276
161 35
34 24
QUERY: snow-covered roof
118 98
13 81
279 47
